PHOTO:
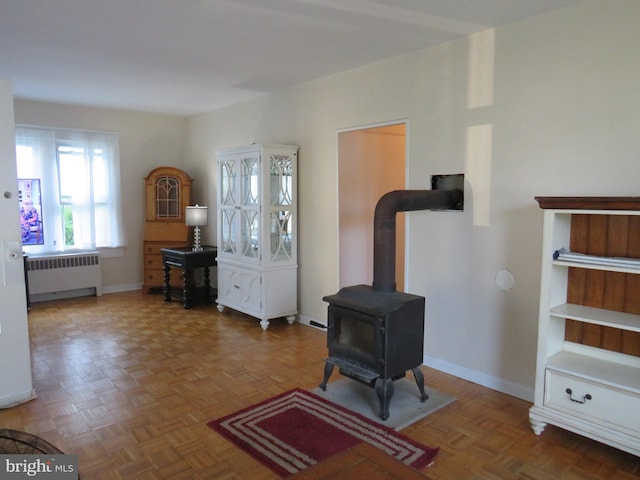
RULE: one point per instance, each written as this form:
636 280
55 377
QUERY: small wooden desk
188 260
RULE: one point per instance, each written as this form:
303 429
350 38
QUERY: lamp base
196 240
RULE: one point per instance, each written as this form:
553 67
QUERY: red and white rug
297 429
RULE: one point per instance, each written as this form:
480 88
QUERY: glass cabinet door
167 197
228 183
281 202
167 194
228 230
257 211
228 211
250 207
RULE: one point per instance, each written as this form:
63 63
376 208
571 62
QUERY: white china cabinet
257 237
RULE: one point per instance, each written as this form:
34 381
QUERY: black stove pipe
384 227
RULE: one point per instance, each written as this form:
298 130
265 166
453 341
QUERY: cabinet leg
264 324
537 425
187 292
291 319
207 285
167 282
220 308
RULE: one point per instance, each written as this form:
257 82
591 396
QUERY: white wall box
588 362
257 231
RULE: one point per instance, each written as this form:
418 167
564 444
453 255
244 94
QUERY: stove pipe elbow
384 227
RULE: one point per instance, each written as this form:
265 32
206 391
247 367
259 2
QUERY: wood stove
375 333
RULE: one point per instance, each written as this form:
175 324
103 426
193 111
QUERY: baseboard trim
64 294
311 322
122 288
489 381
9 401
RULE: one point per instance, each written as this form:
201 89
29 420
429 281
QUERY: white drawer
592 401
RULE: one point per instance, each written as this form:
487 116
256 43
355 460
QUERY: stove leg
417 373
328 370
384 390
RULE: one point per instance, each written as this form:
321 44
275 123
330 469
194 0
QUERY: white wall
545 106
15 362
146 141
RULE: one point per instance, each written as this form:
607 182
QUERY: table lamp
196 217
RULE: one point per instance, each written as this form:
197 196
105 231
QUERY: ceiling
185 57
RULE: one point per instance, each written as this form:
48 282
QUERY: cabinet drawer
153 248
155 277
591 400
153 262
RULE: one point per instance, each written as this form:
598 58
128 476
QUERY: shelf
594 262
605 372
598 316
591 266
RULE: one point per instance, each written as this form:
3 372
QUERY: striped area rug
294 430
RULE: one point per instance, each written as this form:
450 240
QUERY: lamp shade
196 216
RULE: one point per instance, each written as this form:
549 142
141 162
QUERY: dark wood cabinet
167 192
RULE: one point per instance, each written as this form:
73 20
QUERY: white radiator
64 275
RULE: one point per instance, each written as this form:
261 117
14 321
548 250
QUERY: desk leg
207 285
187 292
167 282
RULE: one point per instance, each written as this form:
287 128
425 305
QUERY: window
79 177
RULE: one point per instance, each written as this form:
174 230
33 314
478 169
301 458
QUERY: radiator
64 275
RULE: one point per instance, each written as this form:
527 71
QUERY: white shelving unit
257 231
591 390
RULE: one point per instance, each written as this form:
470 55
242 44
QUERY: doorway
371 162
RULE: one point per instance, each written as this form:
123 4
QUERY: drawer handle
584 399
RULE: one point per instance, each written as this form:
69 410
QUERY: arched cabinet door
167 194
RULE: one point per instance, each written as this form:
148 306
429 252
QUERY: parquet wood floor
128 383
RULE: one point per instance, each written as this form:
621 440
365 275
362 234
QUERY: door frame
404 238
